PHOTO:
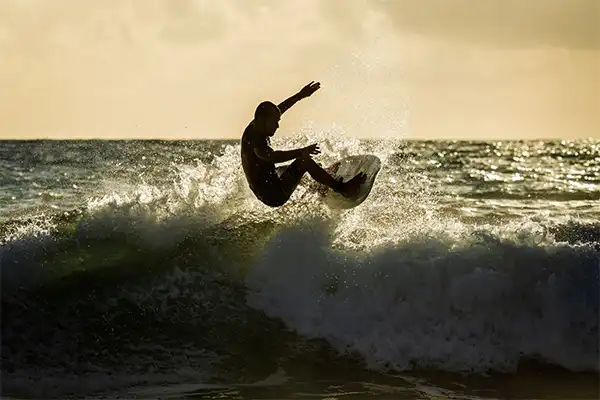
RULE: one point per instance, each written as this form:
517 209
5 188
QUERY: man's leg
319 174
294 172
290 178
349 188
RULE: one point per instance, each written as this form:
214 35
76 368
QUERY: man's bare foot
351 187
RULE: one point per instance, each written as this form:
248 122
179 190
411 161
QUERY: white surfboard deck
347 168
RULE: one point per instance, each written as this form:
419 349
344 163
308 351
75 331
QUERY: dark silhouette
259 159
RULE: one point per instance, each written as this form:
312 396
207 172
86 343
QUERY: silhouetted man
259 159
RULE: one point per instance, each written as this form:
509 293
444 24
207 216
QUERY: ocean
147 269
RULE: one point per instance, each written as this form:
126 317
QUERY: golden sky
402 68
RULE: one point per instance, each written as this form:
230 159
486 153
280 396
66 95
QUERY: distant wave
552 195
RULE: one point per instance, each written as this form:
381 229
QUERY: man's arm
303 93
289 102
279 156
265 152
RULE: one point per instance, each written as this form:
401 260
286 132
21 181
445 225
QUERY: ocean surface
147 269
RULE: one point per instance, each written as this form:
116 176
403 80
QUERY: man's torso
260 174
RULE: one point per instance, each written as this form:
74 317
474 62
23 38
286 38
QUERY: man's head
267 115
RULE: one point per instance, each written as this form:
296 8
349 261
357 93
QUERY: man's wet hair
266 109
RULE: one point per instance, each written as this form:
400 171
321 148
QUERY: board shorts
277 192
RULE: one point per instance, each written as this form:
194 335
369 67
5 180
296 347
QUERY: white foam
462 303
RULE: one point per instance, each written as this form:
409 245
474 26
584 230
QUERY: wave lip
468 305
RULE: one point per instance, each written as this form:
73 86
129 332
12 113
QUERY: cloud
503 23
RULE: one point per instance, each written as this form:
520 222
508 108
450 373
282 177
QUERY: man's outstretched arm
278 156
303 93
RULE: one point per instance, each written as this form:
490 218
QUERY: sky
196 69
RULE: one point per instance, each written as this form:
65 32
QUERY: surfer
259 159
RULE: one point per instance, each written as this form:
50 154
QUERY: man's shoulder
249 132
251 135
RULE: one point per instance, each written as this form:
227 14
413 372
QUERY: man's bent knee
304 158
274 200
306 161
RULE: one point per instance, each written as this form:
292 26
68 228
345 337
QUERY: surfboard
347 168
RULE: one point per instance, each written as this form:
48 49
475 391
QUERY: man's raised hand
309 89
